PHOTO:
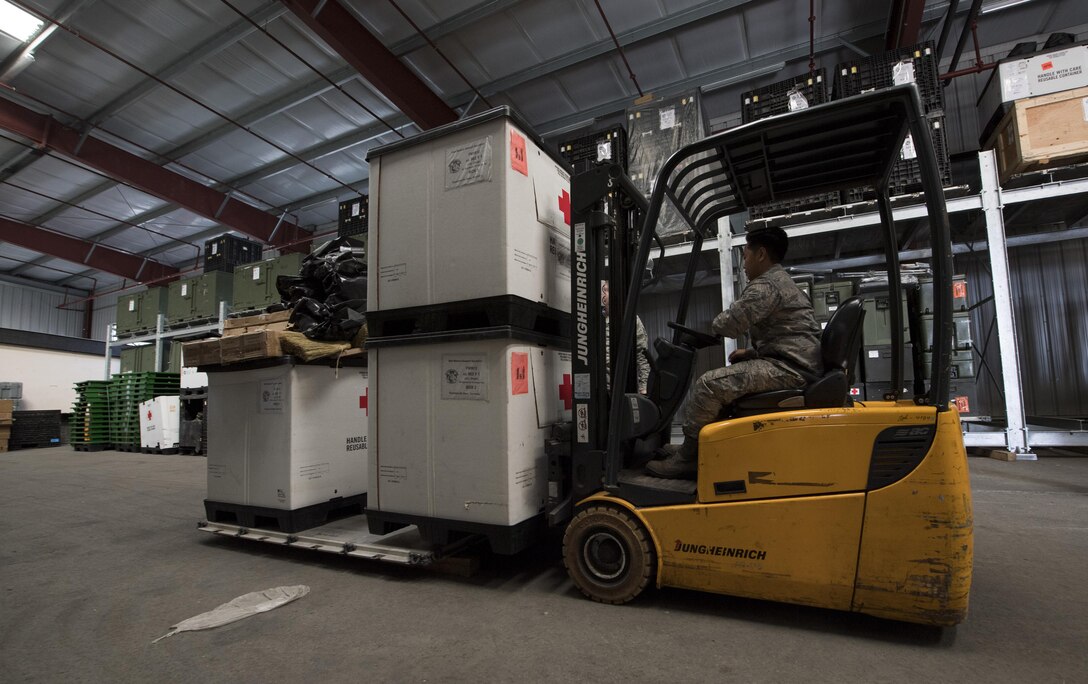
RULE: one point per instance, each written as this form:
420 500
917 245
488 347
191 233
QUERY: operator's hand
739 355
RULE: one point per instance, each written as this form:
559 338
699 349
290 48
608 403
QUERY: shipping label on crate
464 376
272 396
468 164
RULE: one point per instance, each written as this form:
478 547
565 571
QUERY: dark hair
772 239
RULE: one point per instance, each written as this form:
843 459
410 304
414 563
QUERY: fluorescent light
16 22
1000 5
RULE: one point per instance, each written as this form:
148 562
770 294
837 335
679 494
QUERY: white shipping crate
287 436
470 210
160 423
459 428
191 378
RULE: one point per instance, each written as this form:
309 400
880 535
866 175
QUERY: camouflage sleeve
757 301
642 355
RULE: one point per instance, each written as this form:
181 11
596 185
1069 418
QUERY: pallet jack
802 496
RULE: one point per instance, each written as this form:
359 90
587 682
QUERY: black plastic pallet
190 451
152 450
281 520
489 312
876 72
127 448
774 99
583 151
191 393
823 200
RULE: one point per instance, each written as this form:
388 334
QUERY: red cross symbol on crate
566 394
564 206
364 401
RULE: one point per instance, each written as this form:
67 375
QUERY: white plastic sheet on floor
239 609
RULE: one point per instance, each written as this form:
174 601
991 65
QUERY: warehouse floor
100 554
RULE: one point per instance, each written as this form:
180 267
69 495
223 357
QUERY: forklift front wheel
608 554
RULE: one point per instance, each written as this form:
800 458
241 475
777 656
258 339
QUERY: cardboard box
7 406
277 321
250 346
1042 131
201 353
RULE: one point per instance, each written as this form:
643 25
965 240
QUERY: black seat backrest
839 346
669 378
841 339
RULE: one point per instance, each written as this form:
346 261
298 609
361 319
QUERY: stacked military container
827 297
468 314
137 312
195 301
254 287
352 220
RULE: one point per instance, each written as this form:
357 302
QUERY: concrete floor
99 554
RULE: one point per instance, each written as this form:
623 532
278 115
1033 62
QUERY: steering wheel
701 339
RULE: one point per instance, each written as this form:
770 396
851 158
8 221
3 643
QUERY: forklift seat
839 346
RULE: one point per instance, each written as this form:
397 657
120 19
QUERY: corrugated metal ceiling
238 111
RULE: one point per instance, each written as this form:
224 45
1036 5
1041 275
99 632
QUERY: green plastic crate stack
127 391
89 425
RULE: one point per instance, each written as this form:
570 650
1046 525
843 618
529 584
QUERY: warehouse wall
48 376
36 310
1050 303
105 314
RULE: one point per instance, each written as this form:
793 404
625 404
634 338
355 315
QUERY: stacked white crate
287 436
160 426
470 211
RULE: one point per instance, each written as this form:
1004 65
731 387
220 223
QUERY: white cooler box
459 430
474 209
286 437
160 423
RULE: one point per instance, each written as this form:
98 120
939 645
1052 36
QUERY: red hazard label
963 405
519 373
564 206
959 290
1047 66
518 162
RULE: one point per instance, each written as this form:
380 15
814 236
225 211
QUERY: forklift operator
785 351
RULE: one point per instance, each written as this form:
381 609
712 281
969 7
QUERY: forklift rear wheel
608 554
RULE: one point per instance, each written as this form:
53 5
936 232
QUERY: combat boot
680 462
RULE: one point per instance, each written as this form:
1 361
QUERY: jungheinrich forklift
802 496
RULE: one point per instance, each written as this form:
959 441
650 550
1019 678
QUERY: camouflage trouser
716 389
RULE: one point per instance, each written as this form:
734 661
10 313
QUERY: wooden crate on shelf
250 346
276 321
1037 132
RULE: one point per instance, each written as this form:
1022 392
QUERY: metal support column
725 260
111 330
160 322
1016 432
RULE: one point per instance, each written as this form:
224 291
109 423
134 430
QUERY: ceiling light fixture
1000 5
16 22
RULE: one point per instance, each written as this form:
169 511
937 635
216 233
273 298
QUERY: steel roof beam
338 28
904 23
454 23
140 173
98 257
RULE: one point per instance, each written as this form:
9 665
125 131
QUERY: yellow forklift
802 496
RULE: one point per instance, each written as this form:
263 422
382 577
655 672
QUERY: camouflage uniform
778 318
642 353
